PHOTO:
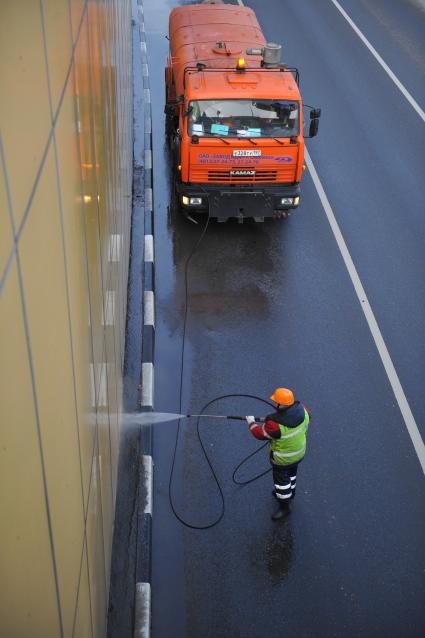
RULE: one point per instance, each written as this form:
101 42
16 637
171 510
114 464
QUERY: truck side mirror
315 113
314 127
169 109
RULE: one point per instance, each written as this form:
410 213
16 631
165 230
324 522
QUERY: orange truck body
229 171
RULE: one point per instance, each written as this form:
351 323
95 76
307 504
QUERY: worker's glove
250 420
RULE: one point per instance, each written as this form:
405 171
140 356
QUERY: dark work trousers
285 482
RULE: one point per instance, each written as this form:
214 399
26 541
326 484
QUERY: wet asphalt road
273 304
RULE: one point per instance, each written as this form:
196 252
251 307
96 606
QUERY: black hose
186 277
226 396
230 396
220 489
269 469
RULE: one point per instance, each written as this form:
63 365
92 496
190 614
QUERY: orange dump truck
234 116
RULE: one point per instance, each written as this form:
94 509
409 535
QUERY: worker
287 431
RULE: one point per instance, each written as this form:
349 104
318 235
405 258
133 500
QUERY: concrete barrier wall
65 206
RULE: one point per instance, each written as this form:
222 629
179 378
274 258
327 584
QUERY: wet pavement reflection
279 552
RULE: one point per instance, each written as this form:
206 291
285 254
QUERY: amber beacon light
240 66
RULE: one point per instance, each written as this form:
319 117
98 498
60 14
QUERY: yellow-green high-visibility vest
291 446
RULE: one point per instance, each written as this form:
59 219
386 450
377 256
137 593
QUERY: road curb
142 603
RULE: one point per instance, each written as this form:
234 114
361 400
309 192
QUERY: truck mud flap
225 204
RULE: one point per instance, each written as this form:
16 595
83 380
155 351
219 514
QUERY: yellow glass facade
65 212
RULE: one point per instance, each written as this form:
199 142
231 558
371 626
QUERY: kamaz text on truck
234 116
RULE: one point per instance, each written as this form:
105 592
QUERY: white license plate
247 153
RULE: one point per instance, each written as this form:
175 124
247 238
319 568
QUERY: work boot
281 513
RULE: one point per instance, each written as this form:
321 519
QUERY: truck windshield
243 118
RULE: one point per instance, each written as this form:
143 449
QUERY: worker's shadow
279 551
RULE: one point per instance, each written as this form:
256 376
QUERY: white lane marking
142 611
143 47
149 312
385 66
148 159
147 384
147 464
148 198
400 396
147 96
241 3
145 71
149 248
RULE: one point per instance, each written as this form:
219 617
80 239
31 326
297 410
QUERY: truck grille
219 175
227 177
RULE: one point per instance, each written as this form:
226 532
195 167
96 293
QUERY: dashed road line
149 312
148 159
147 385
148 481
148 199
142 610
149 256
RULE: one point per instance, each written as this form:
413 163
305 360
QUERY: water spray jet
155 418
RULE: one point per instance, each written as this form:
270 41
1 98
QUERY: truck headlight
296 201
195 201
185 200
286 201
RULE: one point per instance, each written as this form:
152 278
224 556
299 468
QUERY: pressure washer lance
152 418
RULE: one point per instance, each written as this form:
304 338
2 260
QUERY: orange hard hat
283 396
